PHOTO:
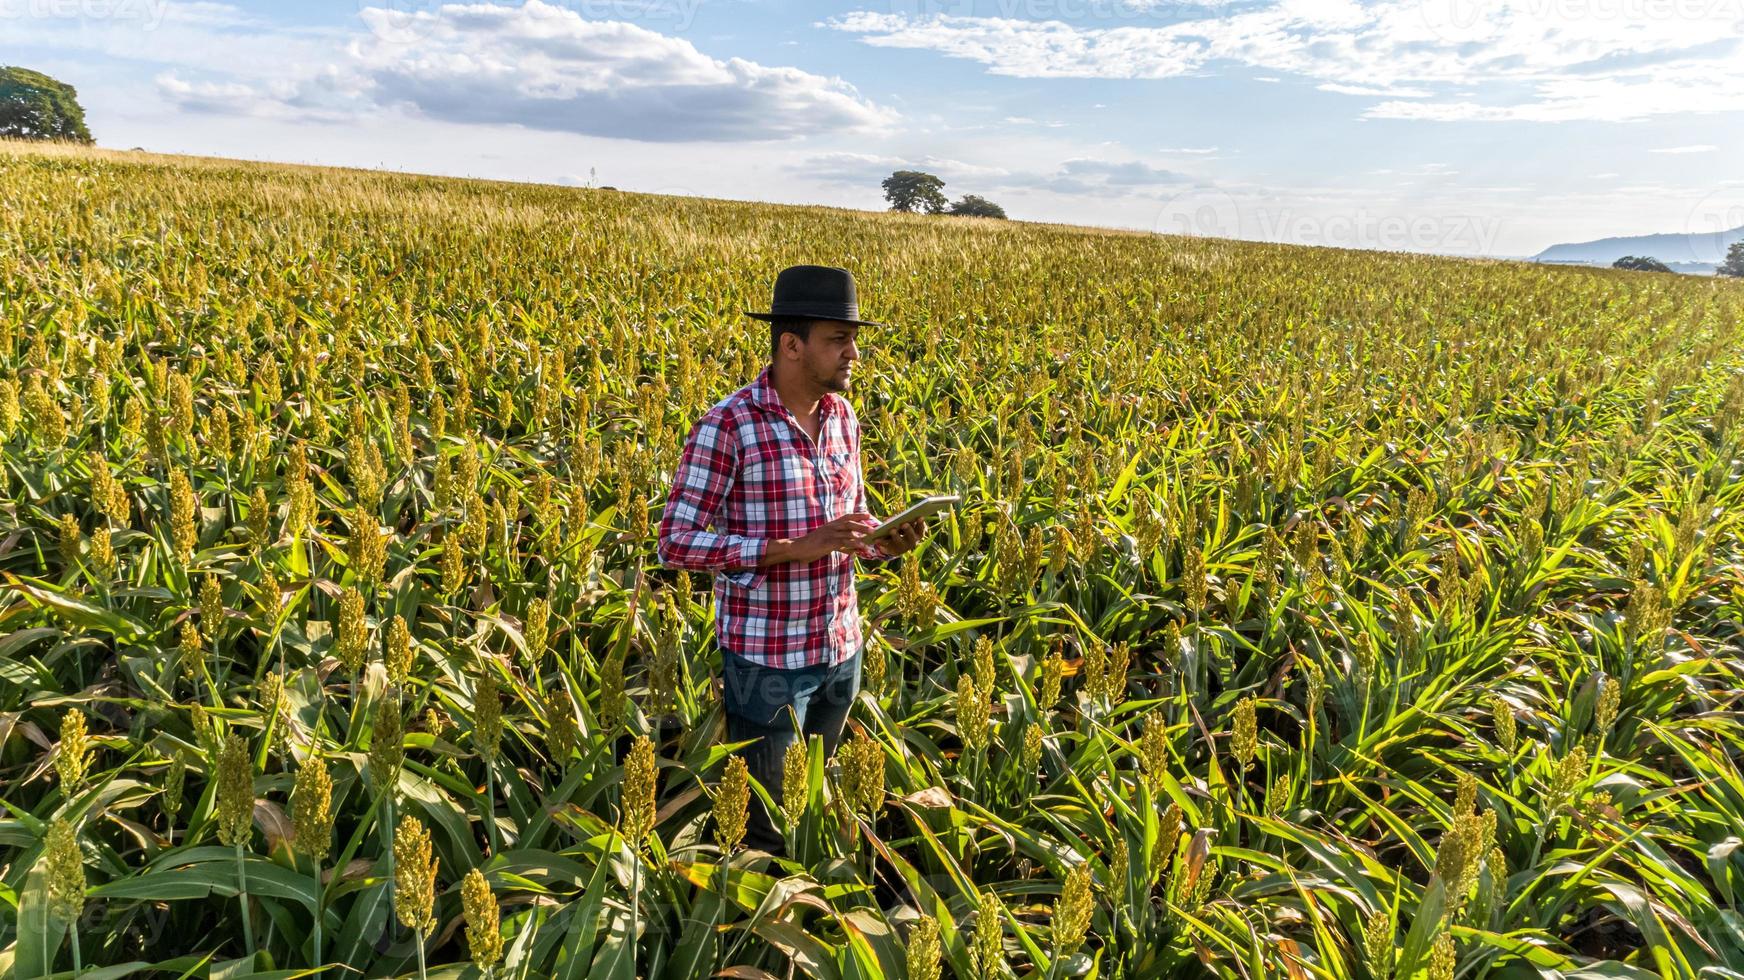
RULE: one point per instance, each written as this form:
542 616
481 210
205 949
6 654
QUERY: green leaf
40 932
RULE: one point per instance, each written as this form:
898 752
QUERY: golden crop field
1312 613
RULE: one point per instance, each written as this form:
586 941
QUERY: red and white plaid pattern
750 474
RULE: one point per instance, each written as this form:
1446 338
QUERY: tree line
1732 266
917 191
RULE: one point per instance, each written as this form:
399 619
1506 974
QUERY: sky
1469 127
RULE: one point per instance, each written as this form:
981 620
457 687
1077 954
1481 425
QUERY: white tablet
920 510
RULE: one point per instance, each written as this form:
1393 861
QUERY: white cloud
537 65
1524 60
1078 176
868 168
1190 150
325 95
546 67
221 97
1372 90
1702 148
1116 174
1031 49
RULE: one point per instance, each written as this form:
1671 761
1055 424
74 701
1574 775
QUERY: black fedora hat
814 292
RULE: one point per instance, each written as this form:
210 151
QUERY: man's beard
831 382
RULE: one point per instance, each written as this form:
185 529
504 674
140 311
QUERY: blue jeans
778 707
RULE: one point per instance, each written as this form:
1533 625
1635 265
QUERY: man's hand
846 533
902 540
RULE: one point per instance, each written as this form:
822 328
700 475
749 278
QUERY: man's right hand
845 533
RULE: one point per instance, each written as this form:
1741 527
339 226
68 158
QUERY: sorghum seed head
1030 758
1153 749
190 651
1503 722
1073 910
235 792
732 802
171 799
398 659
986 947
103 560
795 775
1378 944
387 747
561 732
538 626
924 950
414 876
484 936
74 755
640 786
1442 957
65 871
211 608
183 507
1245 738
487 715
312 808
1610 698
70 539
350 644
973 712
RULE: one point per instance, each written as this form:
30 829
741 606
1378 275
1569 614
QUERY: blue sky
1488 127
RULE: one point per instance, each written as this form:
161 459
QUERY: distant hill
1697 254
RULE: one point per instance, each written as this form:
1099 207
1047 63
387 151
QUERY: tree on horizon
976 206
34 106
1734 264
914 190
1640 263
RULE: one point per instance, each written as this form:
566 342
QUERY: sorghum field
1313 613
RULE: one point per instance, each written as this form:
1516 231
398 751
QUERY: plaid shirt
752 474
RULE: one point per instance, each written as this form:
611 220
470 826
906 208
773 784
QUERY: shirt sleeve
706 472
875 550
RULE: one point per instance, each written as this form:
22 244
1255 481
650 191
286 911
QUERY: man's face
828 355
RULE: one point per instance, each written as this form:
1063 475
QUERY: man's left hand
903 539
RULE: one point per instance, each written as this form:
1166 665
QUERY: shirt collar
763 393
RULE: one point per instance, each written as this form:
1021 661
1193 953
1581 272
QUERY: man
768 496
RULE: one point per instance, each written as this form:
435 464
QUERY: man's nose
853 351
